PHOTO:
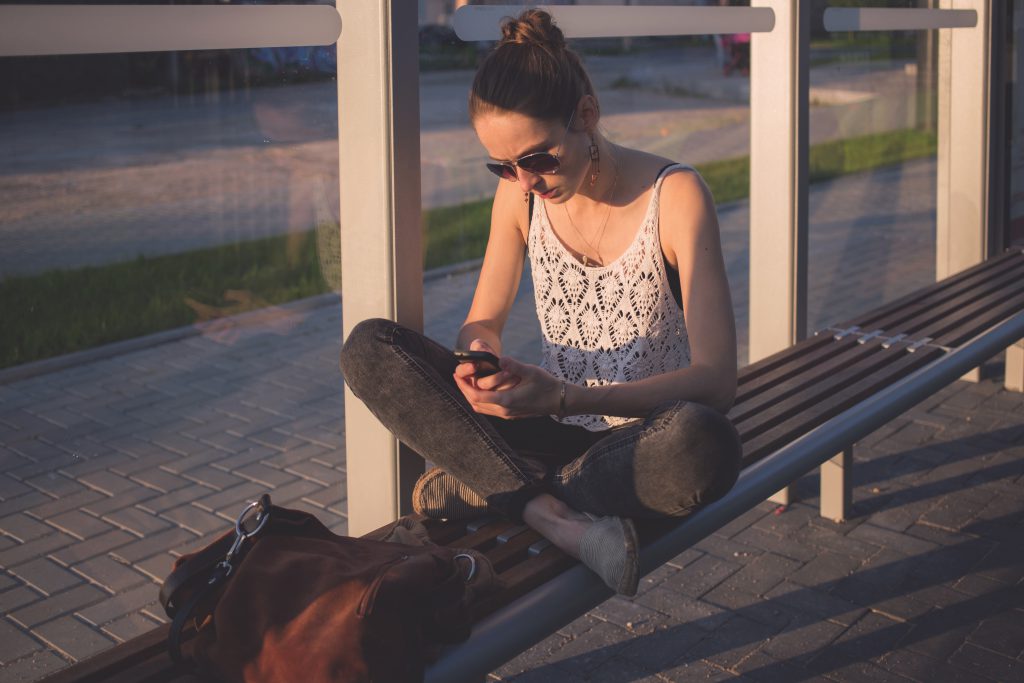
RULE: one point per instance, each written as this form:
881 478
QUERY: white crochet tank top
606 324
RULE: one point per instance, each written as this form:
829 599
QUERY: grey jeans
682 456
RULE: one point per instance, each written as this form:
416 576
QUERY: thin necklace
609 195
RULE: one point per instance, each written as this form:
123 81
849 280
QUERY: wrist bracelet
561 400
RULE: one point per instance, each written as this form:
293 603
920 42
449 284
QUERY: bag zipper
370 596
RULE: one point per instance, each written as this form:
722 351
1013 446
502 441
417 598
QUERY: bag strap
213 565
184 613
224 549
199 566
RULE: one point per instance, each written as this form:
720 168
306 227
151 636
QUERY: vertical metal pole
381 244
961 238
1015 367
836 487
778 182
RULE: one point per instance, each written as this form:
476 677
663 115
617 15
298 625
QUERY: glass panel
872 167
1015 227
684 98
171 324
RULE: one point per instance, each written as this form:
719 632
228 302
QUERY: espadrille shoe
611 550
439 495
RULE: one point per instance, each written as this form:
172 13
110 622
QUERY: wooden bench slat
966 278
871 358
777 360
506 555
818 413
841 355
986 319
936 317
891 315
820 353
914 322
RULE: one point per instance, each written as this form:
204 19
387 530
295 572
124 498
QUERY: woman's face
508 135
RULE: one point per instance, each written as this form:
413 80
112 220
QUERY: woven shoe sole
610 549
439 495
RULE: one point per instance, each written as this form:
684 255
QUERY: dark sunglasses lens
503 171
542 164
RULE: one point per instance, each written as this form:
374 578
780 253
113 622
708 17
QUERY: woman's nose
527 180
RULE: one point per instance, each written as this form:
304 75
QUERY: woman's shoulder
643 170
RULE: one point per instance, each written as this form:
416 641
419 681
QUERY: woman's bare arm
502 268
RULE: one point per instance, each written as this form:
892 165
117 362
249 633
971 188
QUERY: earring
595 158
526 197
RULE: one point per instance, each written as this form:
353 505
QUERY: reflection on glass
183 205
873 100
200 155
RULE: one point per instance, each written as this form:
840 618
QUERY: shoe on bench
439 495
611 550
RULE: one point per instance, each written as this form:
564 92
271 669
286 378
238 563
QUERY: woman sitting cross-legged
624 416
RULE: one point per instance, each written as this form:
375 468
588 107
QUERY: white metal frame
381 243
32 30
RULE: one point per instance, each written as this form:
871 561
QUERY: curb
118 348
85 356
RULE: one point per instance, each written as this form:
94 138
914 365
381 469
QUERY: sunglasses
538 163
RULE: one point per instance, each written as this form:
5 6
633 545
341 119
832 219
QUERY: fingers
499 381
486 402
465 370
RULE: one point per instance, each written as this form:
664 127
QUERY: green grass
67 310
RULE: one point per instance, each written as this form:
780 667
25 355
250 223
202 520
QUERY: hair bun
533 26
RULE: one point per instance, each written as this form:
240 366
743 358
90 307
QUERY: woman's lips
546 195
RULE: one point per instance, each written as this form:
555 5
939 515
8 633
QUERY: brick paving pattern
110 469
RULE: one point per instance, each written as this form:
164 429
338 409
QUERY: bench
794 410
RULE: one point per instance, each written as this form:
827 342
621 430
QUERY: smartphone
486 362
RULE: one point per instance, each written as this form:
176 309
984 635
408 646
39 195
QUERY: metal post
961 238
381 244
836 487
778 182
1015 367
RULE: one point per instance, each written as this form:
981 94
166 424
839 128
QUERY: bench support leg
836 489
1015 367
784 496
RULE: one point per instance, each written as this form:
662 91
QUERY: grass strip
68 310
61 311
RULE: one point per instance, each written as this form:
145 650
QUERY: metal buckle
840 333
864 339
472 565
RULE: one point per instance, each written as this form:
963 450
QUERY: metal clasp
241 535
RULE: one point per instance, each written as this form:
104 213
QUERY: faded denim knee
361 353
704 460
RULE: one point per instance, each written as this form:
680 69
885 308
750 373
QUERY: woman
623 418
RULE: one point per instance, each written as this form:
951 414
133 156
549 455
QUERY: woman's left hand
537 393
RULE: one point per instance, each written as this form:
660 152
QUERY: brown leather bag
287 600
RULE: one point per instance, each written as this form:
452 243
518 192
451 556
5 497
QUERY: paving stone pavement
110 469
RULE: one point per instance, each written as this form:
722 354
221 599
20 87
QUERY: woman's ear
588 113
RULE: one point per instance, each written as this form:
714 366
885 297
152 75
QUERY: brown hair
530 71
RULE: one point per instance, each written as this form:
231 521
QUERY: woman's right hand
499 381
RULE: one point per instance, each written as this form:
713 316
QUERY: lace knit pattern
607 324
